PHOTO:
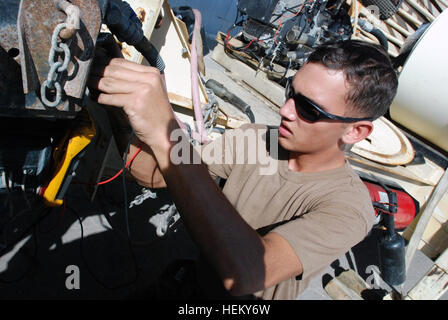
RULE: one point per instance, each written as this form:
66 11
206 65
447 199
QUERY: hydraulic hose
226 95
368 27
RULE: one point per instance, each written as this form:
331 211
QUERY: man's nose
288 110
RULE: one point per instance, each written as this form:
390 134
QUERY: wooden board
174 49
347 286
435 283
258 81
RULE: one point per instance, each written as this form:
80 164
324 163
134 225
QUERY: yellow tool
65 155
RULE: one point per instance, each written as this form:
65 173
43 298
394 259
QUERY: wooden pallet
410 16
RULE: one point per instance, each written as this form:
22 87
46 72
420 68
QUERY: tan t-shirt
322 215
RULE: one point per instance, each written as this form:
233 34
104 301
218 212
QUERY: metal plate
36 20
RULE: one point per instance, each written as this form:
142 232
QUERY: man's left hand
141 92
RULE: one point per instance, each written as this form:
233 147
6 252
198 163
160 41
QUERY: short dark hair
368 71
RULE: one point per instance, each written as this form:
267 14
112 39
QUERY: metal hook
73 18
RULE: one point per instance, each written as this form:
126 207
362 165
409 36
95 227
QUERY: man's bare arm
245 261
144 168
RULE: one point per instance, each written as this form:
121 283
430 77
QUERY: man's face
328 89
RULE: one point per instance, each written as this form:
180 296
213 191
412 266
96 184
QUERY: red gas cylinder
407 206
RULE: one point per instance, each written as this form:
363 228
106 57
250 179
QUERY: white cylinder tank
421 104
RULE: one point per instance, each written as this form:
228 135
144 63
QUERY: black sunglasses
310 110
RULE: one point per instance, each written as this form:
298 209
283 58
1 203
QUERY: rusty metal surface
8 23
37 20
26 29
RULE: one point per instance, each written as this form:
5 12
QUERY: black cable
286 10
286 70
250 114
123 175
81 248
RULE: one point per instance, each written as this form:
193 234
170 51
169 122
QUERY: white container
421 104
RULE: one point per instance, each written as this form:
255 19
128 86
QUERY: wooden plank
399 28
397 172
435 282
410 27
347 286
428 250
429 6
422 10
432 286
270 90
410 18
444 3
442 261
425 215
435 238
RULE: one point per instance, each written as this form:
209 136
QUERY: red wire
226 41
249 44
278 30
119 172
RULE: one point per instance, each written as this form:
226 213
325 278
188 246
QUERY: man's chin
284 142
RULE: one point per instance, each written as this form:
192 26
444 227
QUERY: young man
268 234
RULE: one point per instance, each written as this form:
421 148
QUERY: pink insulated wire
194 79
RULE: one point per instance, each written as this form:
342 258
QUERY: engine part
293 26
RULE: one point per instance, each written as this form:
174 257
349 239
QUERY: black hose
221 91
151 54
381 37
250 114
368 27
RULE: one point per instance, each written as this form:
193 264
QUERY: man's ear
357 131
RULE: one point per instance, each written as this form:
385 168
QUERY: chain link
56 68
210 111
